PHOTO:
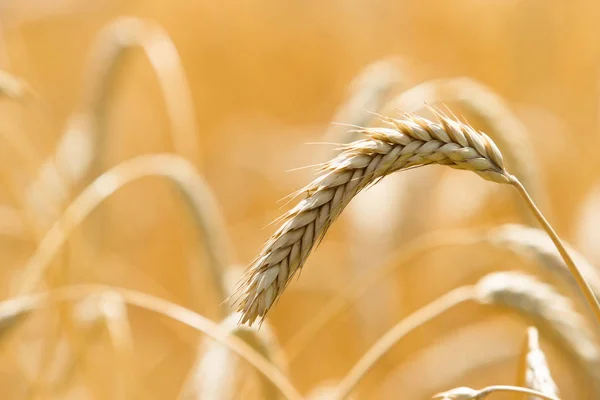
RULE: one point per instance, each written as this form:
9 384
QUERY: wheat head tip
406 142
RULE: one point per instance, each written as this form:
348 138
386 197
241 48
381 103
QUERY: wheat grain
537 372
412 142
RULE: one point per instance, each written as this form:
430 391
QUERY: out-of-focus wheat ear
218 375
197 193
536 372
109 309
368 91
533 242
173 311
466 393
542 304
503 126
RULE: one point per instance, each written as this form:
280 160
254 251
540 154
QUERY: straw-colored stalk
519 239
218 375
109 309
521 293
409 142
83 142
168 309
533 370
194 189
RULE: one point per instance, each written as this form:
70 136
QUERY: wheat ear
182 173
535 372
409 142
511 290
209 382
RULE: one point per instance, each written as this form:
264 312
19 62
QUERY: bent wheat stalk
511 290
165 308
82 144
195 190
518 239
409 142
112 44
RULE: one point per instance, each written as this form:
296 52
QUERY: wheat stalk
410 142
511 290
110 308
194 189
217 373
168 309
82 144
518 239
535 372
542 303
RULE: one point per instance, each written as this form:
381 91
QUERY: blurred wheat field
207 118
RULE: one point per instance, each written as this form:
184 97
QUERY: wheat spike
537 372
410 142
542 303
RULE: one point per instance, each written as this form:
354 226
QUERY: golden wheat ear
407 143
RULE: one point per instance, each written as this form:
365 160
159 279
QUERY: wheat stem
579 278
168 309
391 338
342 302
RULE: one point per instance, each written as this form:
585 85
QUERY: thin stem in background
401 329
